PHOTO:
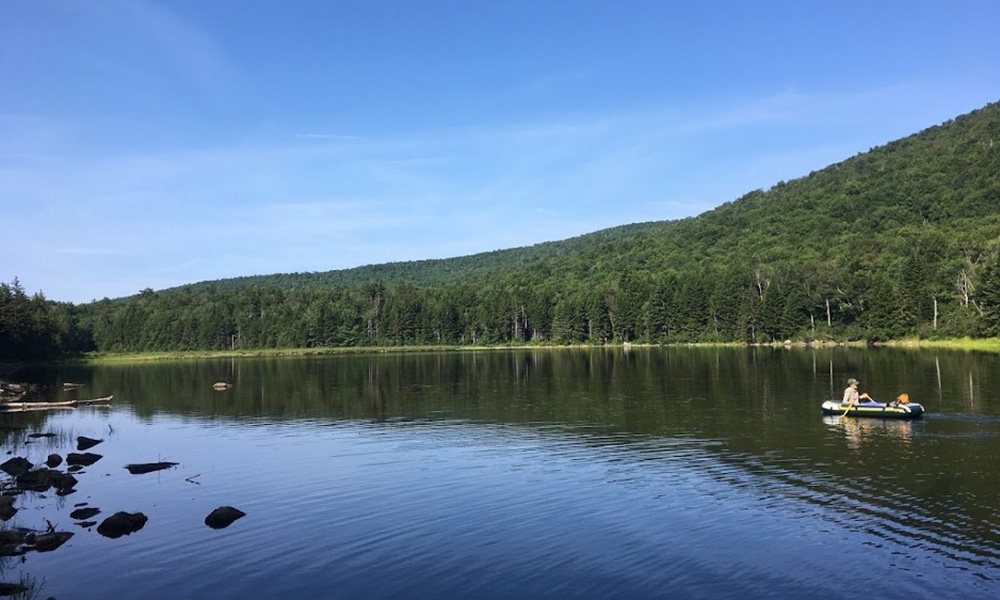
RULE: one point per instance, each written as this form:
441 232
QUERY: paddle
849 404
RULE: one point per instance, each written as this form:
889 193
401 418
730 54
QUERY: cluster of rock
28 477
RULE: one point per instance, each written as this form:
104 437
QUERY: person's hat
852 381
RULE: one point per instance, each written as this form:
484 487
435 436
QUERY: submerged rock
41 435
139 469
85 443
87 524
223 517
122 523
16 466
86 459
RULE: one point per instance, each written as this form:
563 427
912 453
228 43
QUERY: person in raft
851 395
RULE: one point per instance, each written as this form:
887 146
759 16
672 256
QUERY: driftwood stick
16 406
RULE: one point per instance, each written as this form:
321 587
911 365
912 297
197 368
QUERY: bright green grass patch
982 344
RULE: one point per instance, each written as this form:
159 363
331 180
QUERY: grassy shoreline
964 344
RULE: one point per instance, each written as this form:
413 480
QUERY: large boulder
122 523
223 517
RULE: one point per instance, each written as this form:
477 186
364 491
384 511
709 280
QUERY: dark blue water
511 474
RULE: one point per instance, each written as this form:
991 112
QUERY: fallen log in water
16 406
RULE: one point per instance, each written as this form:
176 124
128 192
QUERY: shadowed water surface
651 473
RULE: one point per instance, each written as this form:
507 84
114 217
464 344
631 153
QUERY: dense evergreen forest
902 240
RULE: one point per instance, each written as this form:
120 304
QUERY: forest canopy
902 240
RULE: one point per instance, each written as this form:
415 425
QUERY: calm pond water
649 473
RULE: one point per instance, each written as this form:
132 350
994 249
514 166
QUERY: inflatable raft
876 410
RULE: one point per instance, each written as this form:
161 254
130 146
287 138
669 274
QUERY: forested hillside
898 241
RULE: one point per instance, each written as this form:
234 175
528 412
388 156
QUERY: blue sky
155 143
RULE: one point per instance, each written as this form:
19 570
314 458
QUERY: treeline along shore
901 241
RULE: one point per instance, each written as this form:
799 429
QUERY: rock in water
86 459
122 523
63 481
47 542
139 469
38 480
86 443
12 589
53 461
82 514
223 517
7 510
16 466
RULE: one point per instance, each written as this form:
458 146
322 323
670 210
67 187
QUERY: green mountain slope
429 272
